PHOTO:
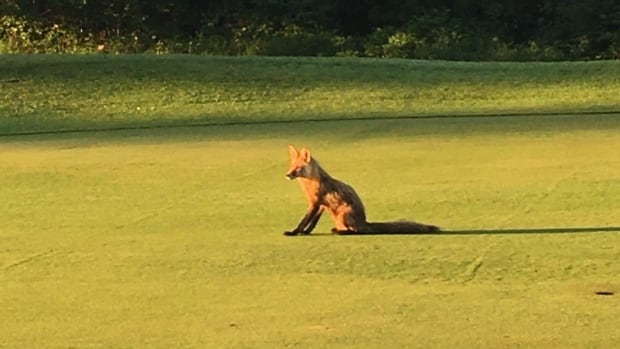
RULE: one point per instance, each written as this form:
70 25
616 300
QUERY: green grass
60 92
172 237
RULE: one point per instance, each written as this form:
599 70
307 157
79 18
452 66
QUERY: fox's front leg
313 222
308 222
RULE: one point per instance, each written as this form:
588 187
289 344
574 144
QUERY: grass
172 237
60 92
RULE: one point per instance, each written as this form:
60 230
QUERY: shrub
300 45
18 35
401 45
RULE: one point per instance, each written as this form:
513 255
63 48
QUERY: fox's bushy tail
401 227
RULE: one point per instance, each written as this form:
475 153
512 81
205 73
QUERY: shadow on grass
220 122
506 231
343 130
531 231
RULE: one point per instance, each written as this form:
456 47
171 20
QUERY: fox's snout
294 173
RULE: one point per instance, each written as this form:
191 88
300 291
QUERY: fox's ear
293 152
304 153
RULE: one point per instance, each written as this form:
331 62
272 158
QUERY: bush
18 35
401 45
430 33
300 45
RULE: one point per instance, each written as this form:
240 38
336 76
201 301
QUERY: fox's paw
343 232
290 233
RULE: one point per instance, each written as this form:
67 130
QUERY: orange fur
325 193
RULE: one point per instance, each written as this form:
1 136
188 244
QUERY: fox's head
300 163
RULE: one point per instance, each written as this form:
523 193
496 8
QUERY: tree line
420 29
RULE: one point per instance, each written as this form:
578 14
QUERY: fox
325 193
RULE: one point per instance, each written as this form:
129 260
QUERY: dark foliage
438 29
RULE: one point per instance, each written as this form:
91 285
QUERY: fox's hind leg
346 223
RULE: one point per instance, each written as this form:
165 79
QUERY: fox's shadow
504 231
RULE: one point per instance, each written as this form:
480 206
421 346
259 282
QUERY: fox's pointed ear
293 153
304 153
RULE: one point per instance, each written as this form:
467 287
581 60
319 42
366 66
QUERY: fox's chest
311 189
326 196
